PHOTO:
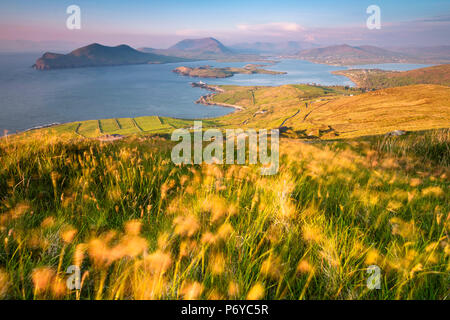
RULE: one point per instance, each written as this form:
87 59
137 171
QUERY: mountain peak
203 45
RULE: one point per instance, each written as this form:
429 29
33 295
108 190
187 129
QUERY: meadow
139 227
303 111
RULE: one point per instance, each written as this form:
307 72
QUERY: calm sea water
31 98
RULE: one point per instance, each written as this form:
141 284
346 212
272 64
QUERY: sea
31 98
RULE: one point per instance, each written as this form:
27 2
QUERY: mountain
380 79
205 48
432 55
267 48
95 55
205 45
348 55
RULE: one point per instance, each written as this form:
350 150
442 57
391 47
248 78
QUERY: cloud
271 28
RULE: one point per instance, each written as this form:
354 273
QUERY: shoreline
206 99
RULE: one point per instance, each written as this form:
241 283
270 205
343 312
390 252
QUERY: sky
160 24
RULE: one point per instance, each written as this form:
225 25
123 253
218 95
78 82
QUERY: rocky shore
207 99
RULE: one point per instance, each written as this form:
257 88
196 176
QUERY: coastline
207 99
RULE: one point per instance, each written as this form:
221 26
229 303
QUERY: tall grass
429 145
140 227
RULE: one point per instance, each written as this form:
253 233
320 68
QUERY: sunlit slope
411 108
331 115
304 111
141 227
122 126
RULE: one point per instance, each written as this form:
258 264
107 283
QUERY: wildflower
158 262
304 266
216 205
42 278
163 241
418 267
187 247
191 291
372 257
68 234
225 231
59 287
48 222
215 295
233 289
217 264
186 225
415 182
4 283
433 191
271 267
131 246
402 228
78 255
256 292
208 238
393 205
133 227
311 233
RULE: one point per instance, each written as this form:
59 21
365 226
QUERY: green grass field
140 227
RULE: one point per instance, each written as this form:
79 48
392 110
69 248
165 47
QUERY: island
96 55
210 72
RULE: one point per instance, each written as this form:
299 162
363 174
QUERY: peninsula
379 79
210 72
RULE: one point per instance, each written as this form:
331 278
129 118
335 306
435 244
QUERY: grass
379 79
140 227
307 112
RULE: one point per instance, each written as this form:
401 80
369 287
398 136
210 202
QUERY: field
380 79
140 227
346 198
304 112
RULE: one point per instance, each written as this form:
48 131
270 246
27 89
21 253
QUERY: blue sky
160 23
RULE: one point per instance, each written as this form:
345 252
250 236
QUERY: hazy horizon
42 24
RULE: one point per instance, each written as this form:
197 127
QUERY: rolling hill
201 49
95 55
348 55
378 79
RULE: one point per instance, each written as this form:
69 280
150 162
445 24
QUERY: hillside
95 55
348 55
141 227
304 112
332 113
427 55
204 45
202 49
379 79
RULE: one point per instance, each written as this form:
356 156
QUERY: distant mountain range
349 55
272 48
205 48
434 55
95 55
212 49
